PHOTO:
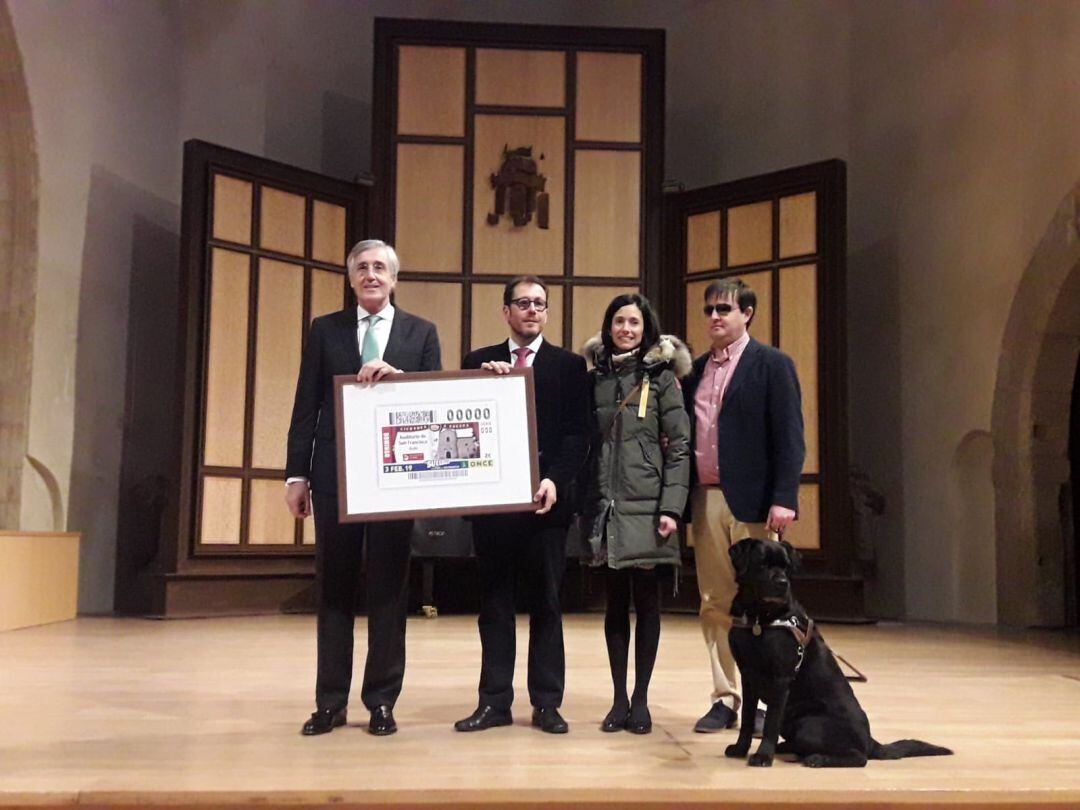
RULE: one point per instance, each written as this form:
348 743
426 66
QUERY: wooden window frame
202 161
832 577
390 34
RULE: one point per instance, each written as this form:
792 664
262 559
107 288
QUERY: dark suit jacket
760 432
562 401
332 349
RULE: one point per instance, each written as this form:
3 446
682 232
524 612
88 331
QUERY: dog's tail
906 748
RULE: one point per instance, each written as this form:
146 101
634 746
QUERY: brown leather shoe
323 721
718 718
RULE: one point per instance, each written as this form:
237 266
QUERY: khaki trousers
713 531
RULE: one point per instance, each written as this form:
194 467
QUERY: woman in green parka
639 488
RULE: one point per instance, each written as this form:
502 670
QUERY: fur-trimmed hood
669 350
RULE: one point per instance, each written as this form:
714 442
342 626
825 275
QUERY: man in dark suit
532 544
373 341
747 433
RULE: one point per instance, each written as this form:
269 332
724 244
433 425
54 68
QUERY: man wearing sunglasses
747 434
532 545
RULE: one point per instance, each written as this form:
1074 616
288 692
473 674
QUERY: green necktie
370 350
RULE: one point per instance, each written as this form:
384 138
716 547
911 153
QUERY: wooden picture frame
454 441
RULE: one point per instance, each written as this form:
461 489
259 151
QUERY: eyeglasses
524 303
720 309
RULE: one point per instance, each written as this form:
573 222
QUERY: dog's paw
815 761
760 760
736 751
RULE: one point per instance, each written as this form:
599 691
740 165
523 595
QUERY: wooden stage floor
105 712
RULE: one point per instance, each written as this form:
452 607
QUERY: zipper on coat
616 454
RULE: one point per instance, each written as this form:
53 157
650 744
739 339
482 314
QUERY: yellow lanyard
644 404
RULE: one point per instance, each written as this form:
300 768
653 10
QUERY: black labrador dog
785 662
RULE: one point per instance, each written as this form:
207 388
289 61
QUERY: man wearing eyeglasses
747 433
533 545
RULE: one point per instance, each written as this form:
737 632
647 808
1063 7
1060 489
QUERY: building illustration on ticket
444 443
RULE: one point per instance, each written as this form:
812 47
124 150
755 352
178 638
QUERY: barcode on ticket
430 474
412 417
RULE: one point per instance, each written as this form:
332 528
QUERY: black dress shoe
615 719
382 721
484 717
639 721
718 718
323 721
549 720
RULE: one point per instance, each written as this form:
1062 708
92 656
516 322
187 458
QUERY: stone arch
18 267
1031 429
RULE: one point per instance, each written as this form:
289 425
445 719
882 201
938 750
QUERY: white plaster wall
963 143
103 80
292 81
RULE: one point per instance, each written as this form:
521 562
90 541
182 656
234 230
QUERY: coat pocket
652 456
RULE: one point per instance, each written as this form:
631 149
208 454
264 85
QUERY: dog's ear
740 556
794 558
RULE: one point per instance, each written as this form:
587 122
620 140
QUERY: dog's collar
789 622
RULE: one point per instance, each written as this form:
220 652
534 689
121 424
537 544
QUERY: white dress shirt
534 348
382 337
382 328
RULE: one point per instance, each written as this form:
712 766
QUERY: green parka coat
634 481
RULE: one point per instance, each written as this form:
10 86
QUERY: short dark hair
650 335
734 288
508 290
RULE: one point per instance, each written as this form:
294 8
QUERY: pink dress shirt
718 371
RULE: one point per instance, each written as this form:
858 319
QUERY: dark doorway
1074 480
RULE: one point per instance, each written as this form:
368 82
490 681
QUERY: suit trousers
712 532
339 554
526 549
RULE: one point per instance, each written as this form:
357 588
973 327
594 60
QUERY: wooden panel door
784 235
265 253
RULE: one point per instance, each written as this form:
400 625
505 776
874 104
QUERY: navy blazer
760 432
332 349
562 402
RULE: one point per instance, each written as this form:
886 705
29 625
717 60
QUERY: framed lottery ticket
436 443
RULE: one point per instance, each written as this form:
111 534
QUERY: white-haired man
372 341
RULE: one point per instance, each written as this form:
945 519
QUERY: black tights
646 591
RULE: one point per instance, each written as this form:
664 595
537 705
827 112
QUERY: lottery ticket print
444 443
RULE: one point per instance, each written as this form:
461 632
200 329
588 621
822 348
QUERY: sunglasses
720 309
